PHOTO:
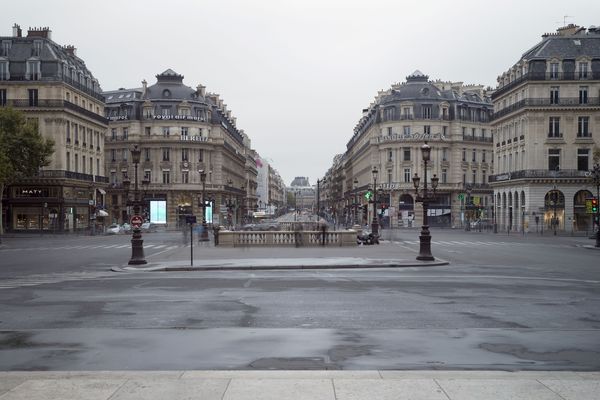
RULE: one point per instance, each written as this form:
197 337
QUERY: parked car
262 226
148 227
113 229
126 228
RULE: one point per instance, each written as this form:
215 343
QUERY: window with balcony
406 153
166 176
406 131
554 127
68 161
406 113
427 130
407 175
200 155
125 133
113 134
390 113
474 176
444 154
474 156
4 71
165 154
83 164
33 70
582 127
148 175
113 155
444 175
483 177
554 93
444 130
147 130
482 156
389 131
125 152
76 163
583 159
554 70
390 156
184 132
33 97
553 159
464 155
165 131
185 177
426 112
184 154
583 95
583 70
68 132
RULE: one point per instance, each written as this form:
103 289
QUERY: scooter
367 238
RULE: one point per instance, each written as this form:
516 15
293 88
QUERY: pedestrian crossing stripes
480 243
149 246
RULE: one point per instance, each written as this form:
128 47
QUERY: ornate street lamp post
595 174
355 186
468 208
375 224
137 243
204 234
425 237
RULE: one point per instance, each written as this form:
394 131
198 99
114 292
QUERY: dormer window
6 45
37 48
554 70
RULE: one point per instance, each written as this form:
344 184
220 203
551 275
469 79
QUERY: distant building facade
455 121
58 93
181 131
546 126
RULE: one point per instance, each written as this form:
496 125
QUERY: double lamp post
425 198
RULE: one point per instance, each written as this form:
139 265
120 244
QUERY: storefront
48 209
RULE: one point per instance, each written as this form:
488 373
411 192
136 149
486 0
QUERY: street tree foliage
23 150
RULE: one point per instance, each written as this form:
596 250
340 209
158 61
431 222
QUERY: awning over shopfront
102 213
102 191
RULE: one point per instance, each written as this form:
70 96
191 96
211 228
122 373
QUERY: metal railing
535 76
547 102
537 173
72 175
53 103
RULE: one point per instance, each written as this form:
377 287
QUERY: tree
23 150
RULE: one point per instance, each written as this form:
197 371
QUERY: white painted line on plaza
160 246
163 251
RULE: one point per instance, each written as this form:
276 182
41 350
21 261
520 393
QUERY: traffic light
369 195
594 206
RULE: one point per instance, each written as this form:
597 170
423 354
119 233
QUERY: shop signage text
179 117
414 136
194 138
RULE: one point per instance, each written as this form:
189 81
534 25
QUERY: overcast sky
297 74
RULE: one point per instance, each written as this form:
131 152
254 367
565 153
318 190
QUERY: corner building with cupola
546 126
454 119
182 132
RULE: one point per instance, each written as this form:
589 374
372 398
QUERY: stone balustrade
287 238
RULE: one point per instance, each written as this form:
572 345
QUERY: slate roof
572 46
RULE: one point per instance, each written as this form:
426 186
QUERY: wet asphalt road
497 306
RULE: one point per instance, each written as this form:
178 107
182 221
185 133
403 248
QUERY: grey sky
297 74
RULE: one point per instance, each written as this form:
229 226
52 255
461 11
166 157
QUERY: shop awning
102 191
102 213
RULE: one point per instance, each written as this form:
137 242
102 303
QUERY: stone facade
56 91
180 131
546 121
454 119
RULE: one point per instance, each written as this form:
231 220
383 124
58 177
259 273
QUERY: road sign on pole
136 221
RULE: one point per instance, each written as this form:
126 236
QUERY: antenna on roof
564 23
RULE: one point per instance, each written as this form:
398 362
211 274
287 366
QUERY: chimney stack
17 32
201 89
43 32
144 88
71 50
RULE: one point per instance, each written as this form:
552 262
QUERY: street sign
136 221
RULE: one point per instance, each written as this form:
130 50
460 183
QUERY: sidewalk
300 385
207 258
